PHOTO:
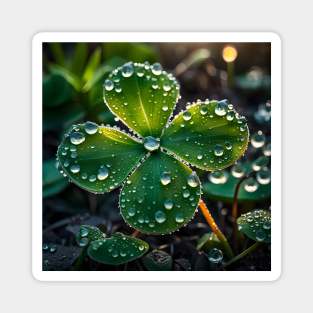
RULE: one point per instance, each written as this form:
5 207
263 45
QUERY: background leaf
256 225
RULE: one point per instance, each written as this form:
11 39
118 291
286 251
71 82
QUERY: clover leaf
118 249
256 225
160 192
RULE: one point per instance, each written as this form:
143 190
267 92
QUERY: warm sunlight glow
229 54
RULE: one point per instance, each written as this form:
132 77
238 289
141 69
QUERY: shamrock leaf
160 191
118 249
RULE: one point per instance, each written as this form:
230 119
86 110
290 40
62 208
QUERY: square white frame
188 276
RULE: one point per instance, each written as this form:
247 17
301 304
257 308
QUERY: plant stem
215 229
243 253
136 233
235 210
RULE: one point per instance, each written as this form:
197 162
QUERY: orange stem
215 229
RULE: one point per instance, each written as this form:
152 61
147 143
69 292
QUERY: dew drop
127 70
103 173
75 168
258 139
90 128
77 138
230 116
218 150
260 235
218 177
203 110
131 211
237 171
165 178
168 204
187 116
108 85
251 185
92 178
160 217
215 256
267 150
221 108
151 143
156 69
186 193
263 176
179 218
193 180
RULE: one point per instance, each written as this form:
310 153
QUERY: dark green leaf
56 90
222 185
98 158
87 234
70 77
142 96
256 225
92 65
208 135
136 52
53 182
158 260
118 249
161 196
79 58
57 52
98 75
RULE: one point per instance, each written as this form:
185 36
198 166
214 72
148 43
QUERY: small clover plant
152 162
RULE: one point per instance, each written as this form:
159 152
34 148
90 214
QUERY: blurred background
73 75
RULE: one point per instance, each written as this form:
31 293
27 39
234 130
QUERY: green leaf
118 249
209 135
62 117
142 96
98 75
92 65
79 58
87 234
209 241
158 260
70 77
161 196
53 182
98 158
57 52
256 225
129 51
222 185
56 90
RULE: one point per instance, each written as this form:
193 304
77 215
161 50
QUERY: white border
193 276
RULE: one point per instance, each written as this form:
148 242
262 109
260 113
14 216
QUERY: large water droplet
179 218
108 85
156 69
160 217
168 204
103 173
77 138
151 143
267 150
215 256
258 139
251 185
193 180
186 115
90 128
127 70
260 235
218 150
131 211
218 177
264 176
75 168
221 108
165 178
259 163
237 171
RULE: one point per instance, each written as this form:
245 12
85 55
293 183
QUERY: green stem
243 253
215 229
